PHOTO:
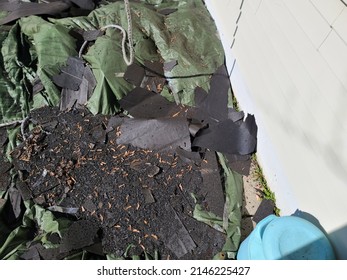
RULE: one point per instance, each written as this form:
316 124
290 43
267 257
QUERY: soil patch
135 201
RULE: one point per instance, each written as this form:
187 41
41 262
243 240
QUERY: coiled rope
130 60
23 123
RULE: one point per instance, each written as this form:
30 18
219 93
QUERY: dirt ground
135 200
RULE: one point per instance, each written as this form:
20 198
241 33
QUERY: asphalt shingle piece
80 234
71 75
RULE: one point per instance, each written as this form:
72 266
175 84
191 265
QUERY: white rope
82 49
130 60
10 123
22 123
130 32
126 60
22 127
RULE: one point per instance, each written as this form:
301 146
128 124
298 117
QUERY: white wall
288 65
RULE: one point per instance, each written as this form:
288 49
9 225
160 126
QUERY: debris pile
116 161
70 165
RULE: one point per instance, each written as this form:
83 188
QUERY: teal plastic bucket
285 238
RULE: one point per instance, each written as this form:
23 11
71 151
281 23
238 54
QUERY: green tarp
37 47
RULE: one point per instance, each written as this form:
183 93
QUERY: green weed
265 191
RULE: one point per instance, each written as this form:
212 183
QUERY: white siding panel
323 127
301 88
298 128
310 20
334 50
340 25
329 9
255 4
308 69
